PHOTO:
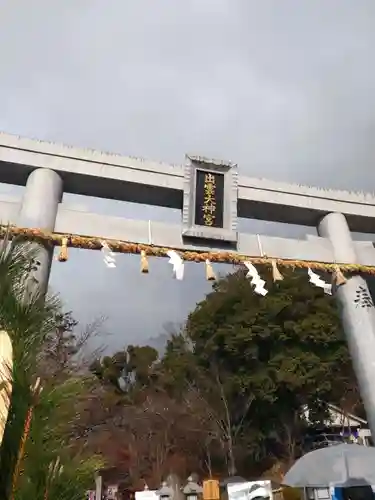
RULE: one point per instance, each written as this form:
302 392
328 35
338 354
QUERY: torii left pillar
40 203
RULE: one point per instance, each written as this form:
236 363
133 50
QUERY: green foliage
70 481
278 352
242 369
127 369
29 318
275 345
28 322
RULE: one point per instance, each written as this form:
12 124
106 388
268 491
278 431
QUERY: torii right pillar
357 311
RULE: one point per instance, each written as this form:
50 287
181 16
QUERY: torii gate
211 196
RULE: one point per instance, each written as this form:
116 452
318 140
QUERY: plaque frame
228 233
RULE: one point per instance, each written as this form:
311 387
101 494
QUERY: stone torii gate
211 196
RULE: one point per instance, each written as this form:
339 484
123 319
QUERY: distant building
338 427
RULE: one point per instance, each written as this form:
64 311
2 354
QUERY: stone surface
228 232
118 177
357 312
69 221
38 209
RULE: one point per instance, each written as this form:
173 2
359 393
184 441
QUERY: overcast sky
283 88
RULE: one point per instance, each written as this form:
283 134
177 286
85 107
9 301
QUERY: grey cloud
283 88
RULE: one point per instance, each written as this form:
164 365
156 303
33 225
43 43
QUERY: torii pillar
357 311
43 193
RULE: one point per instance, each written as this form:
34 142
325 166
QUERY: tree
138 423
36 429
229 390
217 400
262 359
127 369
65 350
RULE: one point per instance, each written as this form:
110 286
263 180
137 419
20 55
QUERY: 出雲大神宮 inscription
209 199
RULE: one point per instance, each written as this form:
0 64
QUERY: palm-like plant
28 456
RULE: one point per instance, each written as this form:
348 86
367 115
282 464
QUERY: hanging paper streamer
177 263
108 256
256 280
210 274
154 250
316 280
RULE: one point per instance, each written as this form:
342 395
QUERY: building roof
339 418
